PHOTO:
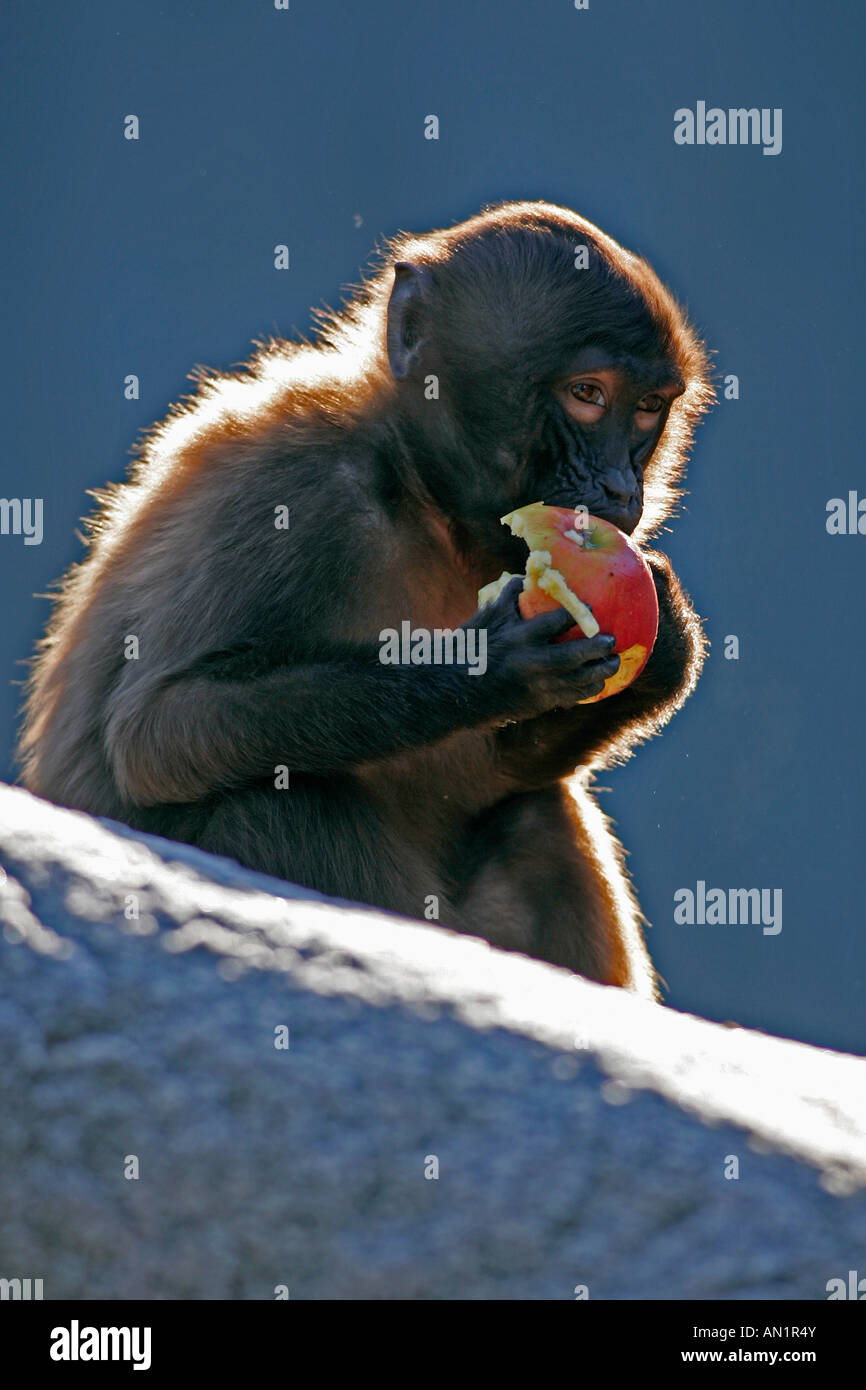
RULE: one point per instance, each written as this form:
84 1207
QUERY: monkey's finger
561 659
583 649
503 606
550 625
511 593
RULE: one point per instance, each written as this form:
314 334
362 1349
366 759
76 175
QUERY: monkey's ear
409 298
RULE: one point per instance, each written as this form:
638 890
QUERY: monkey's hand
539 751
528 672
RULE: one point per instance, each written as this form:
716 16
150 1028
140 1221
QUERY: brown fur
258 646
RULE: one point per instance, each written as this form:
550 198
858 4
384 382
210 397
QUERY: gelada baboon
522 355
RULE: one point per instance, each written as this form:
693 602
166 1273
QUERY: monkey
211 671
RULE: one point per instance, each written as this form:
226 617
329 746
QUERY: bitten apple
594 571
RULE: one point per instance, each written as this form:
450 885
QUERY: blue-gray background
261 126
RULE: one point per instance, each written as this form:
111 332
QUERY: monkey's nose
619 488
623 507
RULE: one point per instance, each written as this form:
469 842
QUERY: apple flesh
594 571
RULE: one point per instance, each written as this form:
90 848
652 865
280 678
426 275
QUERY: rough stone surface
582 1136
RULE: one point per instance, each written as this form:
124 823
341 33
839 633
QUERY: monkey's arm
536 752
209 727
232 717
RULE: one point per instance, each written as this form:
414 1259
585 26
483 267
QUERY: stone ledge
581 1135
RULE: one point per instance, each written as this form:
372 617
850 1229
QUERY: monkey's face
600 423
543 421
528 379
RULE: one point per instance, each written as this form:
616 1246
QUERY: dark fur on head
504 303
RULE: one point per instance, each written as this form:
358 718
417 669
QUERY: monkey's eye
587 392
650 405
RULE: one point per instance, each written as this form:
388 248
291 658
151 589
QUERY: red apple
595 571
